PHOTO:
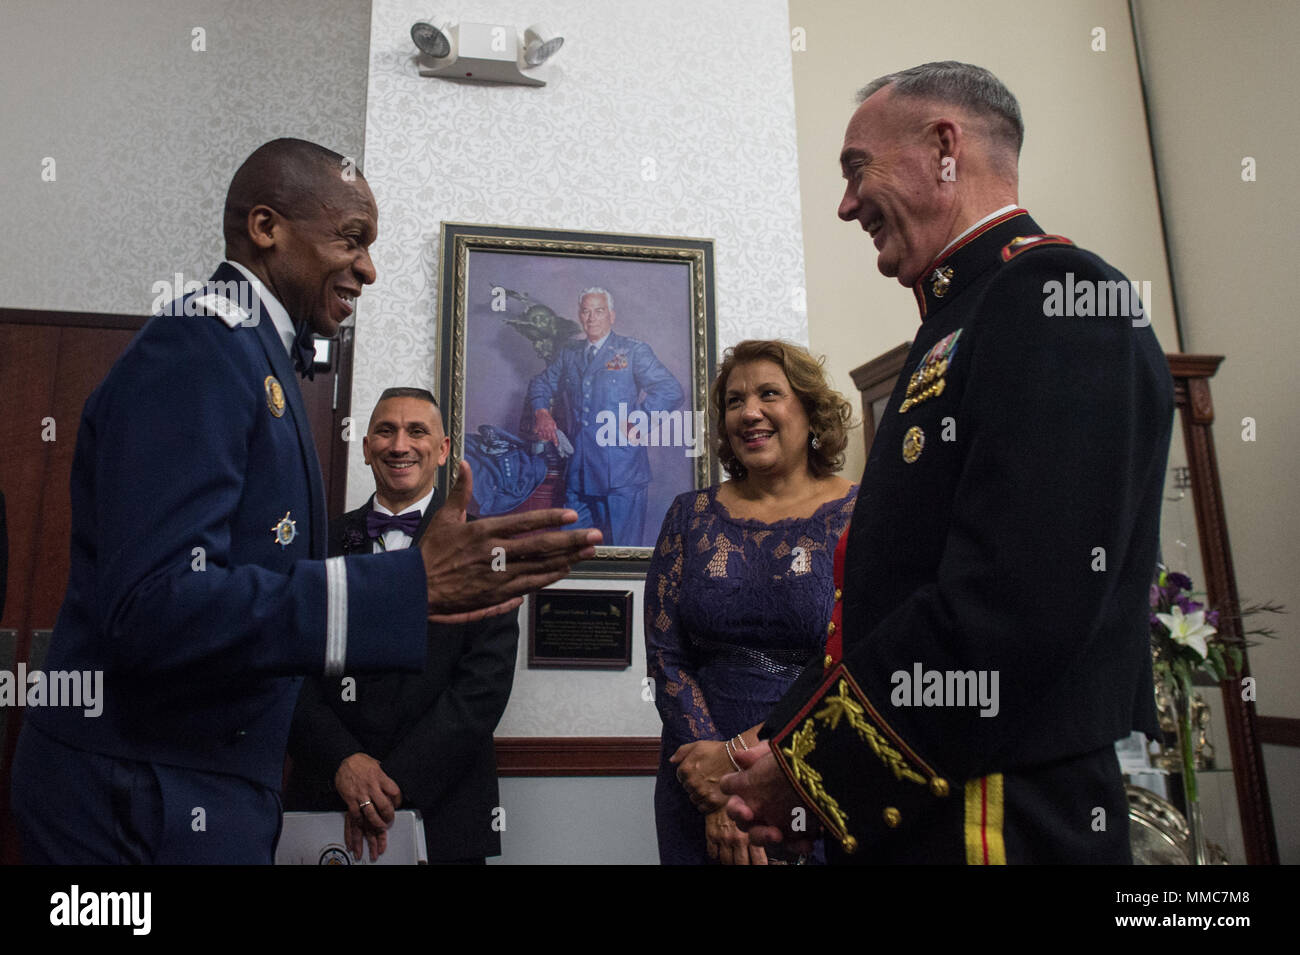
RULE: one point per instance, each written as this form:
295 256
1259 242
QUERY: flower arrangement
1186 639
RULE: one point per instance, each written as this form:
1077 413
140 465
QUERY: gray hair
959 84
597 290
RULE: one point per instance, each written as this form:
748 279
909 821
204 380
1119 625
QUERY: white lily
1188 631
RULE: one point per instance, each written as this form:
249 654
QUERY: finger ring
363 805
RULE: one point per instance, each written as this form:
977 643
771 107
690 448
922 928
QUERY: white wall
146 132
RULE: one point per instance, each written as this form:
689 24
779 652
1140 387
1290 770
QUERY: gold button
849 844
829 661
838 593
892 817
830 627
939 787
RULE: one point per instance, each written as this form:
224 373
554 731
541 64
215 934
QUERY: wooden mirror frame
1191 374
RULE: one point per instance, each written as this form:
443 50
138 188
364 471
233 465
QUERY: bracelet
730 755
741 739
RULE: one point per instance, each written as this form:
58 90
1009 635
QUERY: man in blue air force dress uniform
989 641
401 740
198 583
609 472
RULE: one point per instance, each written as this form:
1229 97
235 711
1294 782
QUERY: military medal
617 363
940 281
928 380
285 529
913 442
274 396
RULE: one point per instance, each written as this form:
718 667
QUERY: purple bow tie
377 524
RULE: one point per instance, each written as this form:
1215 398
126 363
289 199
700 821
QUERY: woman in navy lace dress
740 588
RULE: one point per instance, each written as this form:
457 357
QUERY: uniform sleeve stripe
984 819
336 615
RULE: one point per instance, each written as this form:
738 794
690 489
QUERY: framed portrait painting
574 370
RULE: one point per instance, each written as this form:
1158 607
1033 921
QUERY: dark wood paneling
577 755
875 380
28 356
1278 730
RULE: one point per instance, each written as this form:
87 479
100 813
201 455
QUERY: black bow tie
304 351
377 524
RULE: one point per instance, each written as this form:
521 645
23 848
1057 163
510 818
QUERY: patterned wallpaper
146 121
671 118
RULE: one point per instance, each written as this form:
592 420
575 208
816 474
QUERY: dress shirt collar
988 218
279 316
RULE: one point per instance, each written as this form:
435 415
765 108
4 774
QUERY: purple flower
1188 605
352 540
1212 618
1179 581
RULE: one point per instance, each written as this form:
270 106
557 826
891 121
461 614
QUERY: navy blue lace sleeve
678 697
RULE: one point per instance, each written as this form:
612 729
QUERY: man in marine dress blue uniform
989 641
608 476
197 581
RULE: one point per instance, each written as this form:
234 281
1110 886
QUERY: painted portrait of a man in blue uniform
605 379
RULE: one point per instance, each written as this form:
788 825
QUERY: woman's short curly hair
829 415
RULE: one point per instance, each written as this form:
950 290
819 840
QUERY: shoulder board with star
220 306
1023 243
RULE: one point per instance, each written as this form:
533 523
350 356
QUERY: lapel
435 503
282 368
356 521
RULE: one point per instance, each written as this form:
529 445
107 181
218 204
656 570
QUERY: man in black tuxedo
394 740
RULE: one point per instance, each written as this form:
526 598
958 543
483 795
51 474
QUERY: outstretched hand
476 569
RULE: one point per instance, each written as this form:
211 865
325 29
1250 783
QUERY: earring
815 441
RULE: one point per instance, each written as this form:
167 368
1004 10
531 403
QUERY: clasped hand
765 805
372 799
700 768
